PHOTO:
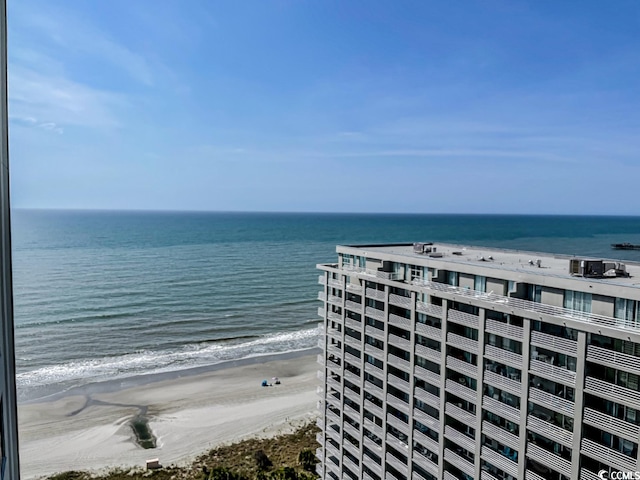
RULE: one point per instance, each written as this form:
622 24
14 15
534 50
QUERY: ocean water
110 295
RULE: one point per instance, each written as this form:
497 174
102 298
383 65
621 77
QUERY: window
480 283
579 301
627 310
452 278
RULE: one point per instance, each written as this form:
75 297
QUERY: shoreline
108 386
188 412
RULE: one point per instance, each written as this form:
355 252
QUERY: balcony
322 296
353 324
588 475
373 408
426 420
353 342
398 424
374 332
399 363
399 321
377 294
373 428
609 456
468 443
518 306
501 435
557 344
351 430
428 353
501 409
462 318
335 317
460 390
353 288
398 404
531 475
499 461
552 402
374 351
504 383
427 375
611 424
377 392
426 463
503 356
397 444
426 397
609 391
321 311
351 412
398 465
352 359
551 372
335 282
399 342
504 329
400 301
427 442
374 370
322 280
544 457
457 461
463 367
463 343
549 430
610 358
320 360
428 331
429 309
399 383
353 306
351 466
460 414
371 445
352 377
374 313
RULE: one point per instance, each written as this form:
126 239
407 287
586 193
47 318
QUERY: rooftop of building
515 260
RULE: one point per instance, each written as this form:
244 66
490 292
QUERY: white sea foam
146 362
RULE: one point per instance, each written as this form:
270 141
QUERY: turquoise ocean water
110 295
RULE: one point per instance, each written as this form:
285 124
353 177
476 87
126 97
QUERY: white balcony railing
551 401
428 353
610 358
608 391
551 372
428 331
503 329
463 367
463 318
611 424
503 356
557 344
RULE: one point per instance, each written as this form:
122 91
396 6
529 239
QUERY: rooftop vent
596 268
423 248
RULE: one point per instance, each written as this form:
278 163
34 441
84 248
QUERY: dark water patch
144 435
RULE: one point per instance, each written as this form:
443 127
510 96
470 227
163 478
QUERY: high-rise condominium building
449 362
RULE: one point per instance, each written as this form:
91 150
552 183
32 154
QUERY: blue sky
382 106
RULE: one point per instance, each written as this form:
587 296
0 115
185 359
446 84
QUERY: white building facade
449 362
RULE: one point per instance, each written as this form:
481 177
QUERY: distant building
449 362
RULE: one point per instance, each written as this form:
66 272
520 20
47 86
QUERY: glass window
627 310
480 283
579 301
452 278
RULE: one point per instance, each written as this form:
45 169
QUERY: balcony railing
399 342
609 391
353 306
398 404
336 317
461 390
351 466
504 383
398 424
551 401
398 383
529 307
462 367
610 358
322 296
503 410
335 283
504 329
427 375
373 350
428 331
353 342
469 444
427 442
549 430
426 463
399 321
557 344
428 353
353 324
321 311
426 397
377 294
500 461
463 343
503 356
609 456
457 461
352 359
374 332
353 288
322 280
374 313
397 443
400 301
398 465
460 414
501 435
588 475
611 424
463 318
373 428
544 457
426 420
551 372
429 309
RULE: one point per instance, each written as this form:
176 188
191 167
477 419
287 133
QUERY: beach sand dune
187 415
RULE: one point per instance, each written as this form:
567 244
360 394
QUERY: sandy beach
188 415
